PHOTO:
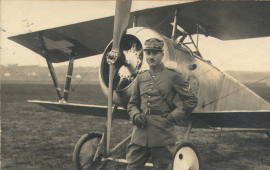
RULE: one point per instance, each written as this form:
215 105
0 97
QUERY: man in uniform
152 115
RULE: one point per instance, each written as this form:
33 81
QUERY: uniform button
149 96
148 103
153 76
151 83
150 89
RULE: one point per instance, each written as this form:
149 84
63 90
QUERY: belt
154 111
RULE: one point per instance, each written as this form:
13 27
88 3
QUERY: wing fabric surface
84 109
222 20
235 119
229 119
89 38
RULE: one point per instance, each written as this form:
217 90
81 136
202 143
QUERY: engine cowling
131 46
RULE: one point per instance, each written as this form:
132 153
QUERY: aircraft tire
186 157
84 152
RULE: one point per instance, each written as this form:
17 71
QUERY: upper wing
227 20
223 20
90 38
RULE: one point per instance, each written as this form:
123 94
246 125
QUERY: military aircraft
223 101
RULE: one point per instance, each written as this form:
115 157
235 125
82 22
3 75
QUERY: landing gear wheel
84 153
186 157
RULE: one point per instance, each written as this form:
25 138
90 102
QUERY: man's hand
140 120
168 116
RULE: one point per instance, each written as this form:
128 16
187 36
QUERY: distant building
7 74
13 65
32 74
78 76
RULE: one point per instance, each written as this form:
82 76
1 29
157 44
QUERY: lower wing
84 109
236 119
242 120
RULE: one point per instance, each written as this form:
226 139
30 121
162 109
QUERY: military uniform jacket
146 98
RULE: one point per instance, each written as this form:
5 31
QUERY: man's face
153 58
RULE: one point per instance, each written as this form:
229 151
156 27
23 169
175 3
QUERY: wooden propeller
121 19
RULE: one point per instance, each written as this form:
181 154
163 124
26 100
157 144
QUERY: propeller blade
109 111
122 12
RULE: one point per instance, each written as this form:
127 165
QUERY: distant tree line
37 73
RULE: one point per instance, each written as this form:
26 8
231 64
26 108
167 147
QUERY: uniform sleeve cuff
133 113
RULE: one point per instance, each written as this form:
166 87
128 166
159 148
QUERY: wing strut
184 36
135 21
174 25
190 125
69 75
50 66
197 50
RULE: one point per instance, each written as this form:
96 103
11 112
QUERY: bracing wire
59 51
239 55
227 32
73 89
145 24
162 21
236 91
205 22
227 62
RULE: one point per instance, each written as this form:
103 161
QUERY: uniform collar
158 68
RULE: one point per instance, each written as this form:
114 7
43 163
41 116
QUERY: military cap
154 44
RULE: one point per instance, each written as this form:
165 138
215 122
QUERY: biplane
223 101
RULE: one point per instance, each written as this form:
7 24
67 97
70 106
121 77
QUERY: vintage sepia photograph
135 85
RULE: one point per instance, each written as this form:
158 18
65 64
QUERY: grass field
34 138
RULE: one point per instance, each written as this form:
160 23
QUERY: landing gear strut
186 156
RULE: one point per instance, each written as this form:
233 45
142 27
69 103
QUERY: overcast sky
18 17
